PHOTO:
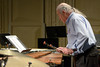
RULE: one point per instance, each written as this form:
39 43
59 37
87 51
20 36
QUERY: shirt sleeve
81 33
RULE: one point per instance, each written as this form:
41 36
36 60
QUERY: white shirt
79 33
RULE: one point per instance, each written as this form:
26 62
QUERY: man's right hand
64 50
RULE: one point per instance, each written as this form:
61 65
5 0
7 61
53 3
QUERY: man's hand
64 50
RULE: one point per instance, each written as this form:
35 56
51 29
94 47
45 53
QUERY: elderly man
81 39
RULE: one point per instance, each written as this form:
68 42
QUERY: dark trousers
87 59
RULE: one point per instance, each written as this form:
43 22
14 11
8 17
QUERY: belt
89 52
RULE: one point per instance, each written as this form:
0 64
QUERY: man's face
61 17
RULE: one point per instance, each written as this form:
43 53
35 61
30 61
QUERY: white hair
67 8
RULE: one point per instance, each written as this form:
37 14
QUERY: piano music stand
17 43
4 41
56 31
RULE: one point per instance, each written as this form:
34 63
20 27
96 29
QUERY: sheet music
16 42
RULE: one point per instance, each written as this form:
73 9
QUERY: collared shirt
79 33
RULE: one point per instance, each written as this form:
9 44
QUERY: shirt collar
67 21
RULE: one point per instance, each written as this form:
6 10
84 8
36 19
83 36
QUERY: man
81 39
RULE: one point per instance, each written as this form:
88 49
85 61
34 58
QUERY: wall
23 18
26 18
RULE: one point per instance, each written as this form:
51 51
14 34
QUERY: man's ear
63 12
